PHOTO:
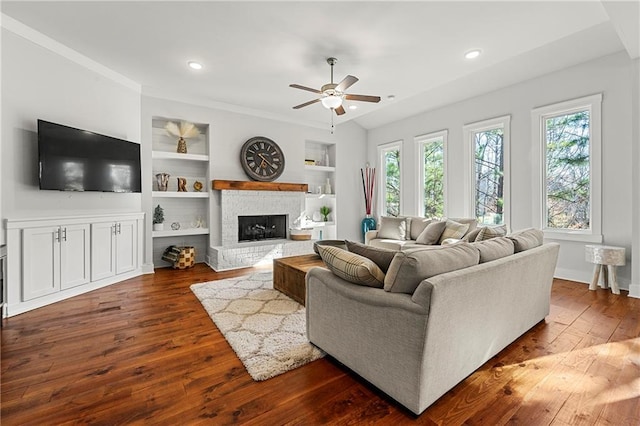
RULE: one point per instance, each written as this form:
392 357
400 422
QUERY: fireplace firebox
264 227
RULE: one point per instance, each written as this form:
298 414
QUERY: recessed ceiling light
391 97
472 54
353 106
194 65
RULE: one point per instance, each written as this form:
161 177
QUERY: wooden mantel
258 186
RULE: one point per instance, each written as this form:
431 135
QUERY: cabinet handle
114 228
56 236
119 228
64 234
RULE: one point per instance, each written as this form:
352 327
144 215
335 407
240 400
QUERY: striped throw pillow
488 232
454 230
352 267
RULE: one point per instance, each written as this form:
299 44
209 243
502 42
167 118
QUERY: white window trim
503 122
382 175
593 103
420 142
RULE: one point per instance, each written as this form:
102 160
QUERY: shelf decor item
186 130
158 218
197 186
182 184
325 211
327 187
162 180
368 175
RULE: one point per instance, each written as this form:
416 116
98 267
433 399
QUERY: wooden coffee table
289 274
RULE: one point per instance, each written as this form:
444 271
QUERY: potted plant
158 218
324 211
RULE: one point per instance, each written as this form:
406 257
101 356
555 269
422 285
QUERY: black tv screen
78 160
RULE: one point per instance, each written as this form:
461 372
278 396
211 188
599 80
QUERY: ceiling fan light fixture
331 101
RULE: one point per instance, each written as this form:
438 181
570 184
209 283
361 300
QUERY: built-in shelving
316 177
309 168
180 232
164 155
176 194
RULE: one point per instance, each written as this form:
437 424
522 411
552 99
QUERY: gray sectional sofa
439 314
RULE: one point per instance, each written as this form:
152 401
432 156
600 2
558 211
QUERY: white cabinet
54 258
320 167
113 248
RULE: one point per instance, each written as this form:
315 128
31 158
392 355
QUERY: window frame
420 142
382 176
593 104
469 131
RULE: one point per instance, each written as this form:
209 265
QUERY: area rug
265 328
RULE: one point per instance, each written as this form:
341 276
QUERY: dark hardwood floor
145 351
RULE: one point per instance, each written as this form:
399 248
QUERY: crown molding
36 37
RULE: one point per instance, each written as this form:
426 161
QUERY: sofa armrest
370 235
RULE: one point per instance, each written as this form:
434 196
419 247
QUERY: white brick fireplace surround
231 254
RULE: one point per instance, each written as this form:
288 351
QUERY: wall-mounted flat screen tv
79 160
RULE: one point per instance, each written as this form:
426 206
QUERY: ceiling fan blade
306 104
308 89
346 82
363 98
340 110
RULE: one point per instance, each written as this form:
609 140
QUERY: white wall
39 83
229 130
610 75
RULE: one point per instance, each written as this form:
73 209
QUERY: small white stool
605 258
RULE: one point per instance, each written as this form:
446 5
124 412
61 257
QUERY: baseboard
634 290
586 277
147 268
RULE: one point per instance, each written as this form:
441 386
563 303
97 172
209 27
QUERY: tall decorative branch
368 175
184 131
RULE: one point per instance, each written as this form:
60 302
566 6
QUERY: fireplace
264 227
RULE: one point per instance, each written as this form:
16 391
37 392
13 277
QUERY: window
488 168
568 137
431 157
389 183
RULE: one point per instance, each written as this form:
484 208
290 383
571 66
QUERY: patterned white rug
265 328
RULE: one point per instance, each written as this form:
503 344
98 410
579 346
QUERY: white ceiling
252 51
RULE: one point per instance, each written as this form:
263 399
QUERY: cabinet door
126 246
103 250
74 255
40 262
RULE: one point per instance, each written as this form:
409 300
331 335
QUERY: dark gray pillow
526 239
378 255
409 268
471 236
431 234
494 248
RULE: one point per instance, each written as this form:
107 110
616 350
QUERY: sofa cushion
394 228
409 268
352 267
418 224
390 244
454 229
432 232
488 232
471 221
494 248
526 239
378 255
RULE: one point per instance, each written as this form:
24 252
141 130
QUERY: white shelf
319 168
175 194
166 155
319 196
180 232
320 224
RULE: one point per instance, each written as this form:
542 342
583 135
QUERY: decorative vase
368 224
182 146
327 187
163 181
158 226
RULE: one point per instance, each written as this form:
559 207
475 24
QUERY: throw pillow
454 230
526 239
493 249
471 235
378 255
392 228
448 241
352 267
431 234
409 268
488 232
418 224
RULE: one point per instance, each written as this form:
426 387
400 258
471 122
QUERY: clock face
262 159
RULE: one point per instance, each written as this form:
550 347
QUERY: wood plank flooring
144 351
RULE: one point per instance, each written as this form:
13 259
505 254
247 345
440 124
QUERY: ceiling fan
332 95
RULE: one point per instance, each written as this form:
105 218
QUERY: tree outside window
431 177
389 178
489 176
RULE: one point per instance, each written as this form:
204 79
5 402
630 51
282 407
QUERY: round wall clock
262 159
